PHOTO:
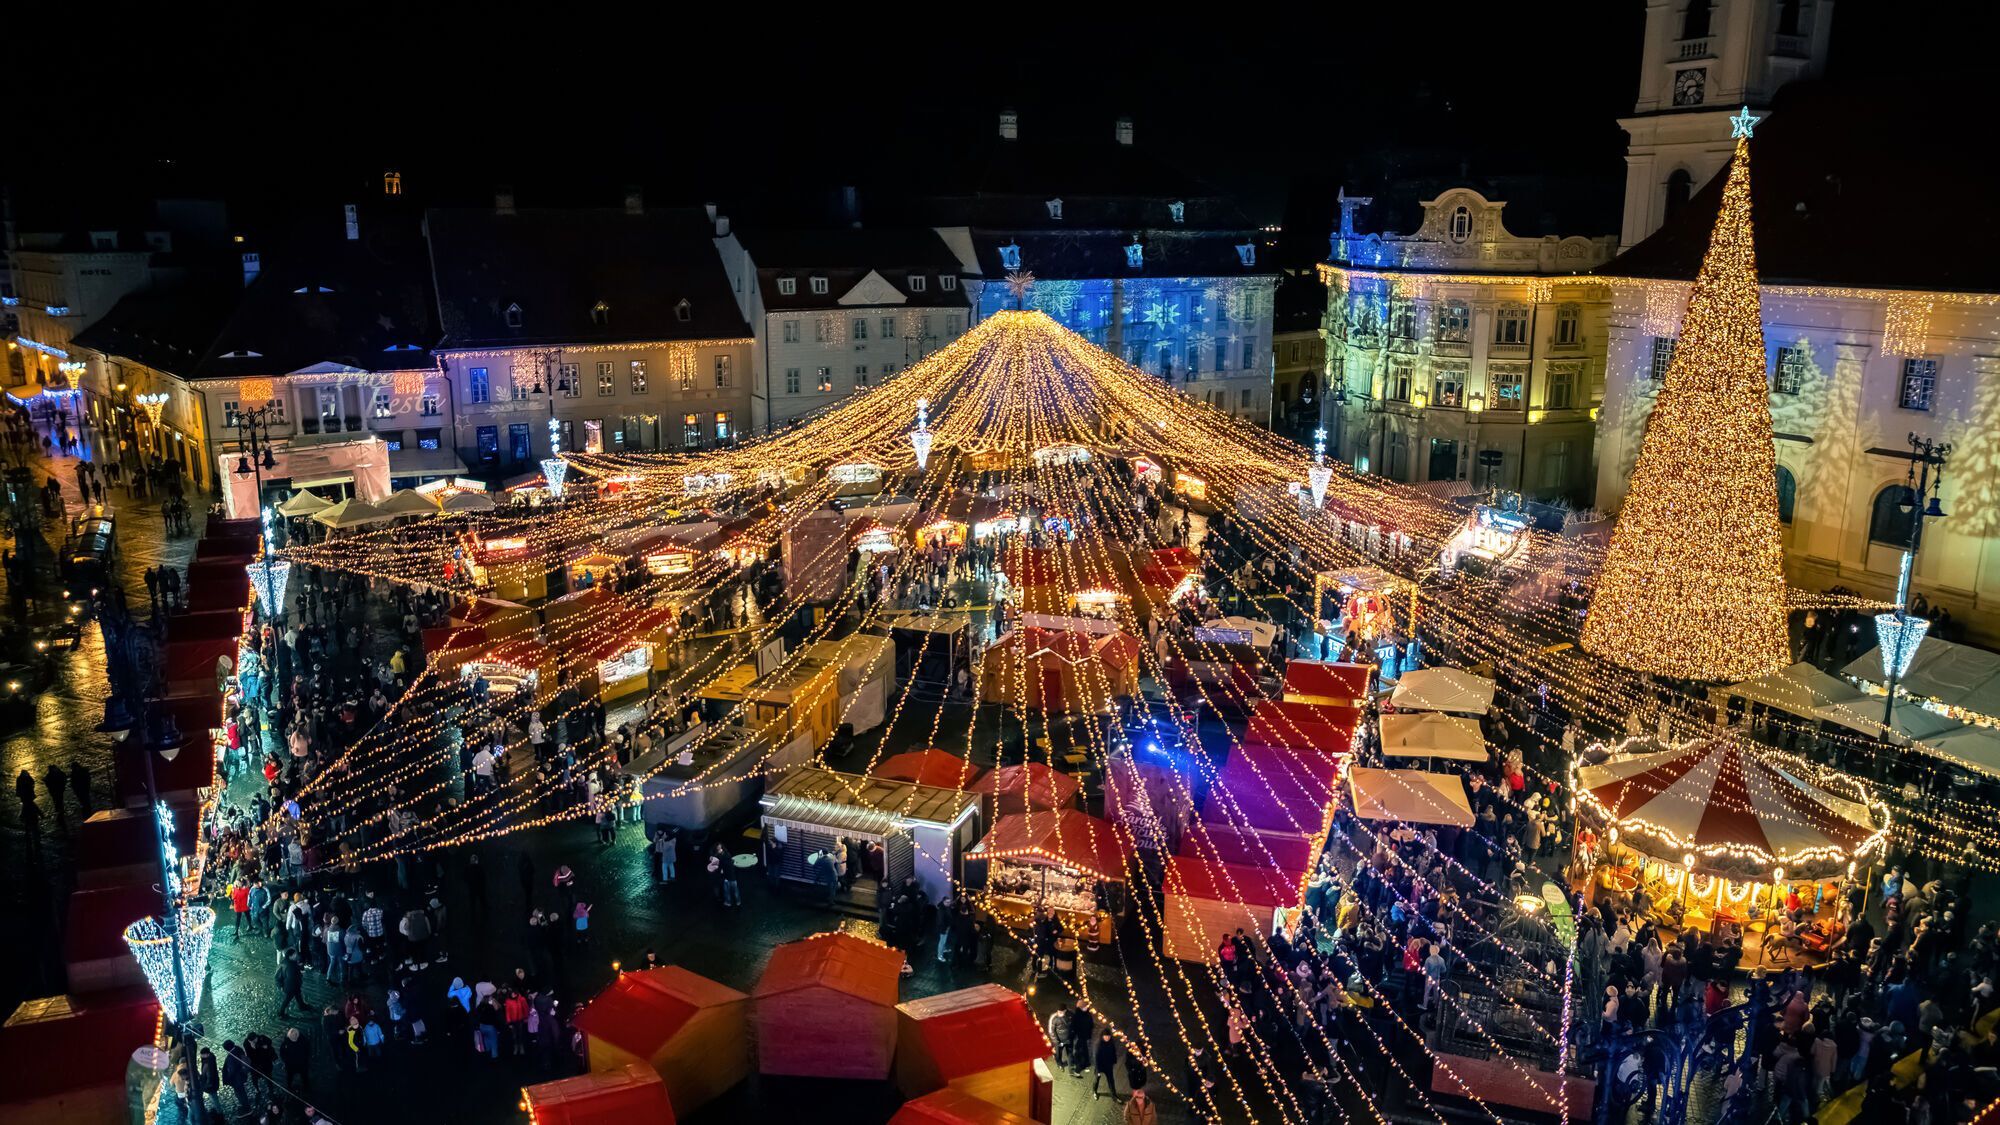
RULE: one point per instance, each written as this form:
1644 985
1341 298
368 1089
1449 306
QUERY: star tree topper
1742 124
1018 283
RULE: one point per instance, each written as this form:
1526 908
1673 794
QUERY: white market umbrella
349 513
1443 689
468 502
303 503
405 502
1432 734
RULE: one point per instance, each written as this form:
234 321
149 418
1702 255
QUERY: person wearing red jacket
239 903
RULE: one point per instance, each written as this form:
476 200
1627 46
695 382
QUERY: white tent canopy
303 503
468 502
1415 796
1443 689
406 502
1950 673
1430 734
1806 691
349 513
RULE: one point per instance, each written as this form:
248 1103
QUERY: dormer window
403 348
600 313
683 310
513 316
392 183
917 282
1135 254
1178 210
1247 254
787 286
818 285
1461 224
1055 208
947 282
1010 256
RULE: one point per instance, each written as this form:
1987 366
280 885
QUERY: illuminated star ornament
1743 123
1018 283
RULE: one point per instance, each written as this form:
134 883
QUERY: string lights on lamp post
1899 633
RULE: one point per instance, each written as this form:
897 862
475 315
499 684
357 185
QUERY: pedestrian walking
1107 1065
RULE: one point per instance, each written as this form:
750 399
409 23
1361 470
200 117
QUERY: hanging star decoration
1019 282
1742 124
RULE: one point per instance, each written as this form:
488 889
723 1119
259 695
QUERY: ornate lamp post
1899 633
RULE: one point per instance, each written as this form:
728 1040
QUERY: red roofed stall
1207 900
94 952
953 1107
981 1041
826 1008
692 1031
930 766
1070 861
217 583
1318 681
1030 785
630 1095
195 641
63 1058
1274 789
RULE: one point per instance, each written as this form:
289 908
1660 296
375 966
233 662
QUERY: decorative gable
873 289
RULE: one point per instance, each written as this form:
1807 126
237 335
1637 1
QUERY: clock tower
1703 61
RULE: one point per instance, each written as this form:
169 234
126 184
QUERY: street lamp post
1898 633
171 905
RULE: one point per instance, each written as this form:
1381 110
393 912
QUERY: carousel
1720 835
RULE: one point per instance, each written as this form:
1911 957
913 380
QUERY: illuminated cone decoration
920 438
1693 586
1319 476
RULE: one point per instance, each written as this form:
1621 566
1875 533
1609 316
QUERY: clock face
1688 85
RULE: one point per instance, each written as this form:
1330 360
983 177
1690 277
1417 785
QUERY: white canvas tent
349 513
303 503
867 673
468 502
1950 673
1432 734
1806 691
1415 796
405 502
1443 689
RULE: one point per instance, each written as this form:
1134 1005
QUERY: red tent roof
1040 786
631 1093
217 584
1236 844
1073 839
64 1043
1055 648
1301 725
230 547
1326 679
639 1012
1176 556
951 1106
124 837
97 921
866 970
930 766
977 1029
1031 566
1233 882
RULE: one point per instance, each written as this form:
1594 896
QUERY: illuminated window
690 429
432 404
327 404
1506 380
1402 320
722 425
487 439
638 376
1569 326
568 379
791 380
791 332
1788 370
1461 224
383 406
593 435
232 414
600 313
1510 324
818 285
724 369
1448 386
787 286
607 383
1919 384
392 183
822 331
518 442
825 379
428 439
1454 321
1397 385
1663 358
683 311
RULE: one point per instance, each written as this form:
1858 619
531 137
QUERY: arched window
1788 494
1461 224
1694 25
1680 185
1888 523
513 316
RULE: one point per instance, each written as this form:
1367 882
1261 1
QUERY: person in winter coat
1141 1110
296 1054
291 979
1107 1065
236 1074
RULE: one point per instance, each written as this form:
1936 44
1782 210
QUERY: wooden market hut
955 1107
983 1041
826 1008
1069 860
630 1095
693 1032
929 766
64 1059
1060 670
1326 682
1030 785
1208 899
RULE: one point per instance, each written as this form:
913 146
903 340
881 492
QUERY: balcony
1498 349
1688 49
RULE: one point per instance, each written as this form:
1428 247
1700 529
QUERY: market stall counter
1068 861
921 830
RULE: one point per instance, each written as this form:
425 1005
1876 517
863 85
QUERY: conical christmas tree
1693 586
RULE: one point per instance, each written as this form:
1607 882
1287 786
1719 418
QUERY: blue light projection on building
1173 327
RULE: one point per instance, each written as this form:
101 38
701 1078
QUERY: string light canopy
1693 585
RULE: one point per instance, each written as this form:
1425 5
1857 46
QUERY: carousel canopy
1443 689
1739 810
1432 734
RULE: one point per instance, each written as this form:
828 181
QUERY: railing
1791 46
1693 49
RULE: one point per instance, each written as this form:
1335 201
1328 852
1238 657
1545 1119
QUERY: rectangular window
1788 371
1569 326
1555 466
593 435
384 405
860 328
825 379
947 282
924 325
888 369
392 444
518 447
1562 386
723 367
888 328
568 430
488 440
822 331
607 383
722 425
1510 325
638 376
327 404
1448 386
861 375
1919 384
952 325
791 332
428 439
1249 398
1505 379
517 387
570 382
1397 388
1444 459
1402 320
1250 353
1454 322
788 286
791 380
232 413
819 286
690 430
918 282
1663 358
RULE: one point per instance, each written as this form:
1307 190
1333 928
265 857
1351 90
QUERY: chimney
635 201
710 208
1010 125
1123 130
252 263
722 226
353 221
503 201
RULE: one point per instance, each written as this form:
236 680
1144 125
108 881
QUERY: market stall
1323 682
931 648
1275 788
1432 734
350 515
508 568
798 699
1955 680
921 830
1068 861
1410 796
1490 536
691 1031
1443 689
1068 670
1716 828
867 667
983 1041
1221 675
929 766
700 777
953 1107
1329 730
1805 691
1206 900
826 1008
1362 600
405 503
1027 787
630 1095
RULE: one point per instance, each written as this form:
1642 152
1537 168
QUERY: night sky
773 116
